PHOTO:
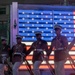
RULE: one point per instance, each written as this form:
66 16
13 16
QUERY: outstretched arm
30 49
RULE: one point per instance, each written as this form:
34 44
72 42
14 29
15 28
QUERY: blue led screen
44 21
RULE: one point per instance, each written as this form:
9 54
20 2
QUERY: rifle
29 67
49 65
69 48
71 44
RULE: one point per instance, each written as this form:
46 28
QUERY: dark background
46 2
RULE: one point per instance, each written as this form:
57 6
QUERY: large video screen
43 19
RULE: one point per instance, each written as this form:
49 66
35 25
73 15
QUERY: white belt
3 55
17 53
38 50
59 49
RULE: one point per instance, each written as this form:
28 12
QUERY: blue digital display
44 20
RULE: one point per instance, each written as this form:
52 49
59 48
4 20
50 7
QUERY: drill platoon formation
17 54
